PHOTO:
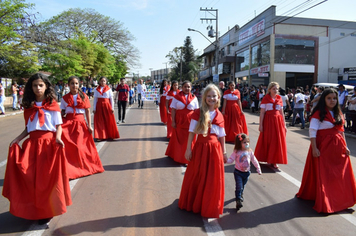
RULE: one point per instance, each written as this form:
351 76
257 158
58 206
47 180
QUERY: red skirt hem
81 154
36 181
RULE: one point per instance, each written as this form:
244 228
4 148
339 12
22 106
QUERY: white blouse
269 106
231 96
171 97
215 129
316 124
52 118
64 106
178 105
108 94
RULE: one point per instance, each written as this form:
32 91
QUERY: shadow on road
276 213
12 224
169 216
140 124
150 139
154 163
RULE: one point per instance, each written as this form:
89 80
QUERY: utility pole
215 17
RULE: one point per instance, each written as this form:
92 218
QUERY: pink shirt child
243 159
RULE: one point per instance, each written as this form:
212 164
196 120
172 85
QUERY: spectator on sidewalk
2 99
14 91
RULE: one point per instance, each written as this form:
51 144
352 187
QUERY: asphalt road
138 192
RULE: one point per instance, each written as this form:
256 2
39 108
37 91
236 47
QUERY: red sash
68 98
171 93
166 89
30 113
268 99
331 119
218 119
181 97
236 92
106 88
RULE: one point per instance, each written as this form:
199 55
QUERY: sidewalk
10 112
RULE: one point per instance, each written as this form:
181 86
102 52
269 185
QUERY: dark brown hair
321 106
81 94
238 140
29 96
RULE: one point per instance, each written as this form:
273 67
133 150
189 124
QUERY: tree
95 27
18 57
184 61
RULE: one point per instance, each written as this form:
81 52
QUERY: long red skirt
36 181
82 157
169 125
178 142
329 178
163 109
235 122
104 121
203 184
271 145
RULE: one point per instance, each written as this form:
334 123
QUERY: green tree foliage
184 61
18 57
96 28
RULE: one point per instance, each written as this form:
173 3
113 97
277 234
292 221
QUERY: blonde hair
204 119
271 85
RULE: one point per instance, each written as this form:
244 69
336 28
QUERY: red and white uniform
203 184
184 104
104 119
235 122
169 98
271 146
82 156
328 179
162 104
38 168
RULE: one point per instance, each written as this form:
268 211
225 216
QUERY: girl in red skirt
328 178
203 184
271 145
183 106
82 156
104 119
235 122
36 181
163 90
170 95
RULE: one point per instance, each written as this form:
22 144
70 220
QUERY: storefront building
292 51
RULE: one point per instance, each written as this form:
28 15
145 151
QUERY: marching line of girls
203 184
37 174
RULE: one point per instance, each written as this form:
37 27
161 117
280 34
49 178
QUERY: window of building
261 54
294 51
242 61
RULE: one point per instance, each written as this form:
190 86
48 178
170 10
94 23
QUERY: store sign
220 69
253 32
351 70
261 69
262 74
216 78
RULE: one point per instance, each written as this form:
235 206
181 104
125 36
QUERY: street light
189 29
216 44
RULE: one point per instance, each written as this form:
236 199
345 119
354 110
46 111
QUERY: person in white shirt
2 99
342 97
141 89
298 108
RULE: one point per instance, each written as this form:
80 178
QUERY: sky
161 25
